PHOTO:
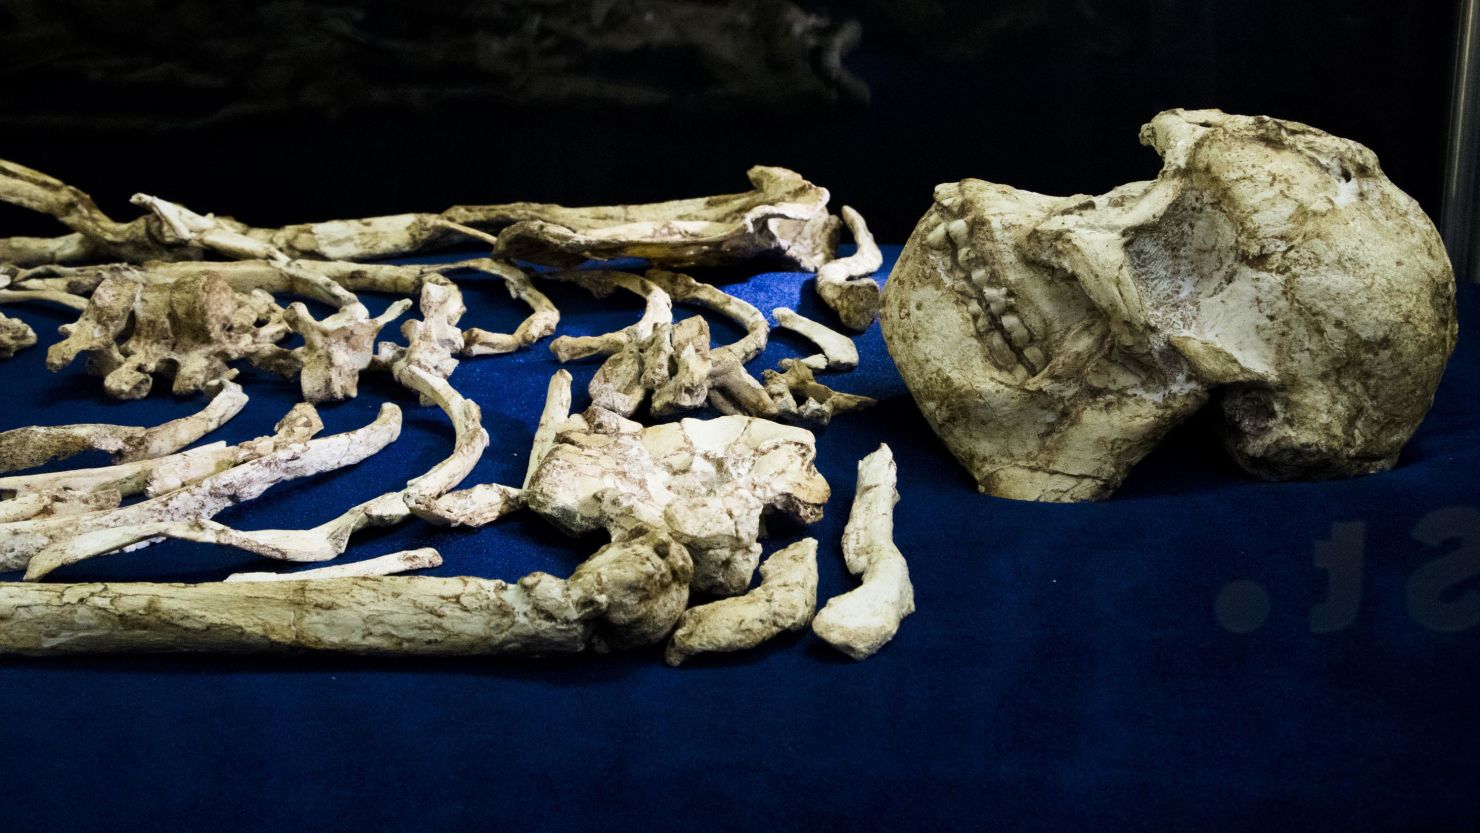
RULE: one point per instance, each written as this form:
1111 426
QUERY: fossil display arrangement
1051 342
177 297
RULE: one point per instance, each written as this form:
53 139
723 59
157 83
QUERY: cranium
1052 342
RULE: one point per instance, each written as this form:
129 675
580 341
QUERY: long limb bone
859 622
845 284
783 214
385 565
784 601
838 351
23 448
628 594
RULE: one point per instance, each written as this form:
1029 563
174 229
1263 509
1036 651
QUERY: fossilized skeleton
1269 266
195 293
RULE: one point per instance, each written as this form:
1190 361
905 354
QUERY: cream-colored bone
861 621
22 448
784 601
628 594
838 351
846 284
384 565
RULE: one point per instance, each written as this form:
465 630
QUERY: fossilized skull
1052 342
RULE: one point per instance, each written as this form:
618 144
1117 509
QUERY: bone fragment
838 351
658 309
846 285
188 330
861 621
15 336
337 348
707 482
784 601
628 594
23 448
555 412
385 565
783 215
797 395
42 546
542 320
56 503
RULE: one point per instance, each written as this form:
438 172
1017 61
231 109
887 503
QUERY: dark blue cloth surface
1203 651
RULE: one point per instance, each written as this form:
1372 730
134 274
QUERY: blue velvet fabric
1202 651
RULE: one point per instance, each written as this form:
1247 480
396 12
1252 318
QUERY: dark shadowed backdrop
296 110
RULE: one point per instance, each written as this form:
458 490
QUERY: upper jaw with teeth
1009 359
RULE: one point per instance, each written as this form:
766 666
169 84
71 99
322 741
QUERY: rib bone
44 545
385 565
23 448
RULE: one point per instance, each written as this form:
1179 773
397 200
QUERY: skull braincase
1269 265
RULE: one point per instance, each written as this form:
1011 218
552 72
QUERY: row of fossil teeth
1008 341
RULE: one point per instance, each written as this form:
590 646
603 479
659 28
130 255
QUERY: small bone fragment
44 545
555 412
542 320
798 395
475 506
385 565
23 448
337 348
784 601
628 594
859 622
687 384
433 341
707 482
845 284
838 351
682 288
658 309
15 336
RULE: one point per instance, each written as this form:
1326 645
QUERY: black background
1046 96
